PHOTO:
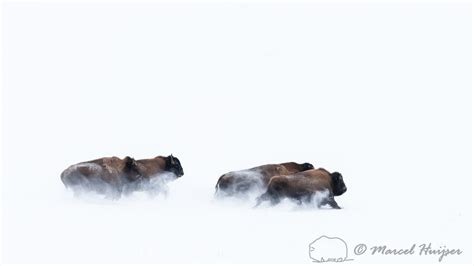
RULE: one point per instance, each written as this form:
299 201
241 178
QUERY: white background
378 92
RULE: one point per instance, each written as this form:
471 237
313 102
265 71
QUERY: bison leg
305 198
274 200
113 192
264 197
77 191
333 204
301 197
268 196
330 201
113 195
260 199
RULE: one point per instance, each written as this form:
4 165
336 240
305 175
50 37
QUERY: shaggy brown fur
302 187
242 181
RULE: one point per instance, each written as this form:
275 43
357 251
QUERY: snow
384 98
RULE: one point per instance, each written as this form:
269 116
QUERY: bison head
338 186
173 165
306 166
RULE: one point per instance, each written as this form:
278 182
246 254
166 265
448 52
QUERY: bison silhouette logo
328 249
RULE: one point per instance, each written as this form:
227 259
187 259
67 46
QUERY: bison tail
217 185
64 179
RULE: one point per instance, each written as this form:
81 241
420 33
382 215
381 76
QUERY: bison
114 176
239 182
303 186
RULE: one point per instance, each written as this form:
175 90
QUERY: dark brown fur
110 170
150 167
235 182
115 174
303 185
293 167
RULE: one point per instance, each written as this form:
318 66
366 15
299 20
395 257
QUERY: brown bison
239 182
303 186
114 176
